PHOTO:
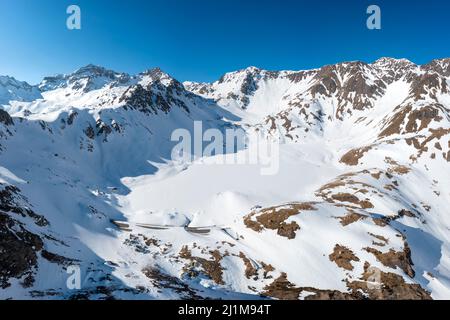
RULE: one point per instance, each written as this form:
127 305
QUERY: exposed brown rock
441 66
343 257
376 175
274 219
406 213
381 221
250 270
378 285
428 83
353 156
282 289
373 285
288 229
394 124
212 268
267 269
351 217
347 197
380 238
393 259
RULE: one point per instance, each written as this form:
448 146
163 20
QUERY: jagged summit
156 72
251 69
441 66
84 79
154 75
14 90
92 70
388 60
354 84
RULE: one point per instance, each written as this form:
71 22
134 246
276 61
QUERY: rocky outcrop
5 118
18 252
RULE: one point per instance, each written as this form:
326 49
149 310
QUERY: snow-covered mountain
11 89
358 208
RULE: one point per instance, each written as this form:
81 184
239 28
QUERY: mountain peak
91 68
15 90
155 73
87 78
391 69
252 69
8 80
441 66
4 79
388 61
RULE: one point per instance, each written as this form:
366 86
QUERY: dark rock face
71 118
441 66
391 70
5 118
428 83
162 280
55 258
350 83
153 98
103 130
249 86
90 133
18 248
10 200
327 82
85 79
139 98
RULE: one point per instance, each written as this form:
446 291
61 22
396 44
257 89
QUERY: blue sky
202 39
